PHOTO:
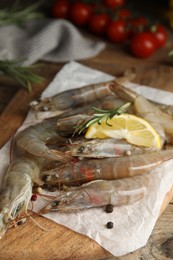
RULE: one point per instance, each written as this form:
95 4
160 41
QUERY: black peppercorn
109 208
19 223
55 203
110 225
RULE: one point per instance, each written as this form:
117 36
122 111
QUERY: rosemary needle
23 75
102 115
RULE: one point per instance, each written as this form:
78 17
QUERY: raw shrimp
102 148
160 121
82 171
34 139
100 193
17 190
78 96
73 97
85 109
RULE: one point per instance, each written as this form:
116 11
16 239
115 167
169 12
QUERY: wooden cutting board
28 241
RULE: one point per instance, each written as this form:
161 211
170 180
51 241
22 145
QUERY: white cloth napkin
46 39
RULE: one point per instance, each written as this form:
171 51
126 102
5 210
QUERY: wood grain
28 241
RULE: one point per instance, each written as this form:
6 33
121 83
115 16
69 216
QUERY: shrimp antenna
37 223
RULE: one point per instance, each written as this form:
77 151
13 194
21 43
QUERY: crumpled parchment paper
133 224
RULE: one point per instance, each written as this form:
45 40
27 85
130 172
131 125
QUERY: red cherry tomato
80 13
98 23
60 9
117 31
114 3
160 35
143 45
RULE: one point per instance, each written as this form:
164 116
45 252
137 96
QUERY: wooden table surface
28 241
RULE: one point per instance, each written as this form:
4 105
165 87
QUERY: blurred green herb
18 14
24 75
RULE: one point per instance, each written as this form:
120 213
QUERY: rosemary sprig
18 14
23 75
102 115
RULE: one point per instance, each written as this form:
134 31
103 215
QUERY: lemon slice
134 129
